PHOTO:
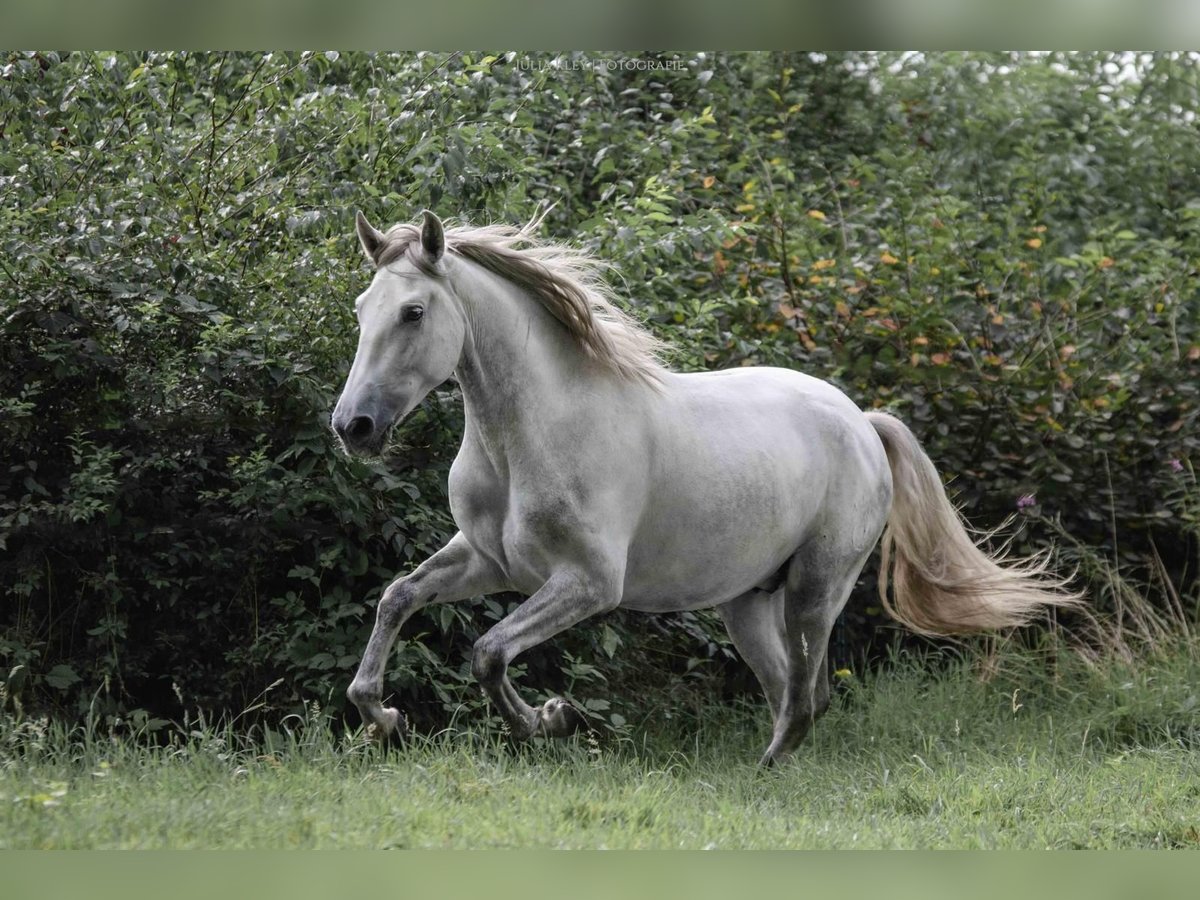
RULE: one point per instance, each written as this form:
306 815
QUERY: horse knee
397 597
487 661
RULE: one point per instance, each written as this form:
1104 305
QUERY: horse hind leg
755 625
815 591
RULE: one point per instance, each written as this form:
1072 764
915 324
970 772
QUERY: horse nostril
360 428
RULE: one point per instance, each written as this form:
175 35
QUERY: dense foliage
1001 249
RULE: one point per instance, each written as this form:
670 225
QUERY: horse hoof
558 718
393 730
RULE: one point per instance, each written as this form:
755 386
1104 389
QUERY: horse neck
519 366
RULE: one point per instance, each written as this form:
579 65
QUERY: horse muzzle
360 435
361 426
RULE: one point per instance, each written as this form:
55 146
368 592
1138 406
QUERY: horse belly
698 552
756 468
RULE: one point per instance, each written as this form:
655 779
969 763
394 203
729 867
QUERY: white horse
590 477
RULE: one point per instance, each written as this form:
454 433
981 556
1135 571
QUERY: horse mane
567 281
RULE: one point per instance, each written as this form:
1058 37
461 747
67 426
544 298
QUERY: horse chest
478 502
518 527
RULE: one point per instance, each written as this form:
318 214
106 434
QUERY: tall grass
1137 614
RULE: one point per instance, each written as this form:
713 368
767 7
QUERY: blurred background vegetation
1000 248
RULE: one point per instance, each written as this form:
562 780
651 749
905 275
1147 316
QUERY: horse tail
942 582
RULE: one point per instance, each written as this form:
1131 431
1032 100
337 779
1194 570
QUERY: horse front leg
569 597
456 572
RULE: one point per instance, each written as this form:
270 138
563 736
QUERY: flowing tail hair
942 582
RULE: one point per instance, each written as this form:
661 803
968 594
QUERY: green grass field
1079 758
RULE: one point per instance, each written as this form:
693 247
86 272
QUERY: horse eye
411 314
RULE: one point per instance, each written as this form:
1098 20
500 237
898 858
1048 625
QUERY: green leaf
610 641
61 677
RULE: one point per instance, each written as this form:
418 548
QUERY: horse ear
369 236
433 236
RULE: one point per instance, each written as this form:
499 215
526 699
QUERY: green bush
999 248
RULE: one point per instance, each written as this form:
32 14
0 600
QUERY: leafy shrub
1001 249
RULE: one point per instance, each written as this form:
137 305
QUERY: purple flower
1026 500
1176 465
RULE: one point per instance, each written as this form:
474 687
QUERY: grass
1084 757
